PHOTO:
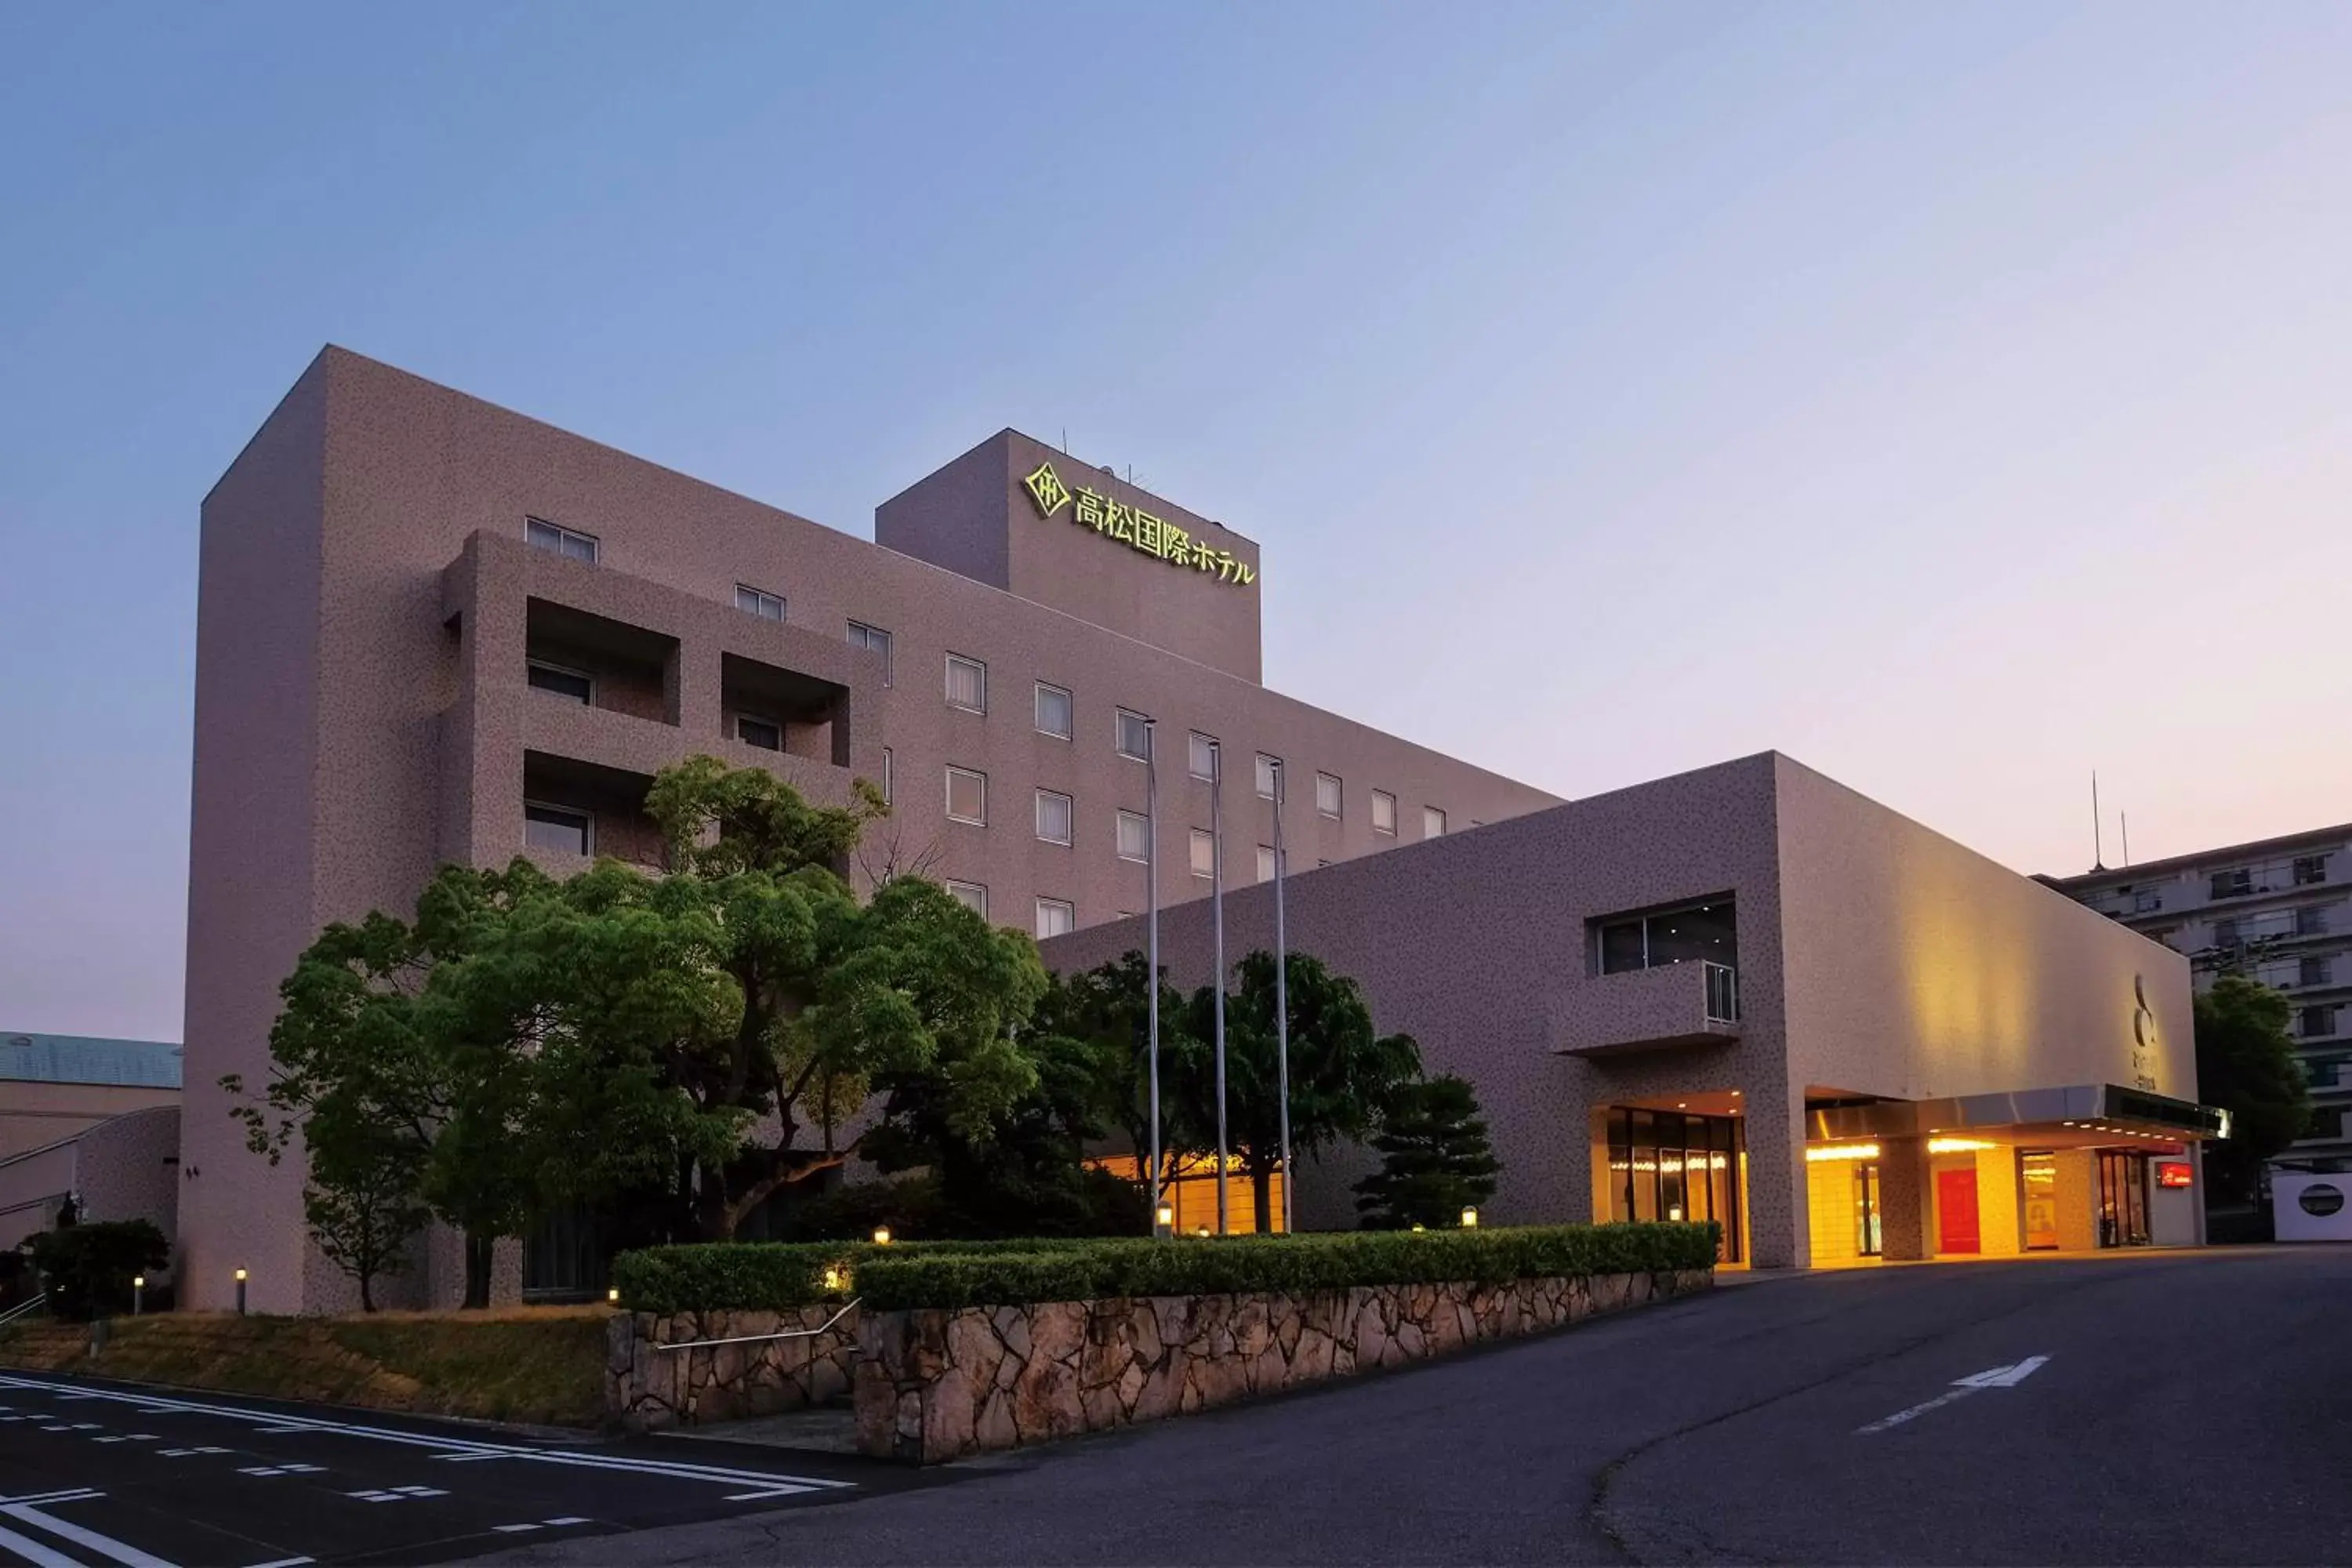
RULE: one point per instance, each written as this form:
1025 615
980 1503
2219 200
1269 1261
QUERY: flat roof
2177 862
84 1058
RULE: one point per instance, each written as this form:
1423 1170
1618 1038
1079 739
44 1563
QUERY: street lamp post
1217 920
1151 961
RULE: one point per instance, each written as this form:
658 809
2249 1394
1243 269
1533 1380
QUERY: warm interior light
881 1235
1959 1145
1469 1217
1842 1151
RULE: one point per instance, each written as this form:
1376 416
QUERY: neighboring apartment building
431 630
2279 909
1748 995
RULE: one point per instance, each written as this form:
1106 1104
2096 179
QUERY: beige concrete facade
1882 970
370 612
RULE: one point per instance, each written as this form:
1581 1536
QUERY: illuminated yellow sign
1155 536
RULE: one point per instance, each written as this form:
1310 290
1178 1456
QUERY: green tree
87 1269
1436 1160
1107 1011
1342 1071
2246 1065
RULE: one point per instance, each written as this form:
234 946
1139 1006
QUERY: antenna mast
2098 861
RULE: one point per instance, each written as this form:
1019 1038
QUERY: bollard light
1469 1217
240 1292
1202 1233
1418 1228
835 1279
613 1296
138 1294
1166 1217
881 1235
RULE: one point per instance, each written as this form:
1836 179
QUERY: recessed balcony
1648 1009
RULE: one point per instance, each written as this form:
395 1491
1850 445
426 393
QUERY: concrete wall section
252 839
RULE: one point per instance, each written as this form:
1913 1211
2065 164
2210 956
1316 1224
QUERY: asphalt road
94 1473
2150 1408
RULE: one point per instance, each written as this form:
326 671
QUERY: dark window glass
2310 921
763 733
554 827
2315 972
1687 936
1620 947
562 682
2310 869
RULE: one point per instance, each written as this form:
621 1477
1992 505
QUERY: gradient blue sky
1956 398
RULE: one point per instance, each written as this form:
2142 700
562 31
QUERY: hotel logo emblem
2143 1035
1132 526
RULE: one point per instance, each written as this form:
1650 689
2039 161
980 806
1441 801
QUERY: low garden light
1469 1217
1202 1233
836 1277
881 1235
138 1294
1167 1217
613 1296
1417 1229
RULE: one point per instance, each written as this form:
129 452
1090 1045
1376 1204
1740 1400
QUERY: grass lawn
543 1366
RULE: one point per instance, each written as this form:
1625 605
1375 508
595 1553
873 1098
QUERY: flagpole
1151 963
1281 996
1217 918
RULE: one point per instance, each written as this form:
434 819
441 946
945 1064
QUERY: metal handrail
22 1307
757 1338
1722 993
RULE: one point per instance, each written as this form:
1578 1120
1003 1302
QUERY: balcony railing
1722 994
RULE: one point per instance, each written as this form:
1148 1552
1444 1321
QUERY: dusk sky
1958 399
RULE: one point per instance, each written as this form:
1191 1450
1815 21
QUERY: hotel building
1751 996
431 630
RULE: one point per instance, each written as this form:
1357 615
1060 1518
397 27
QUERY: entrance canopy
2077 1115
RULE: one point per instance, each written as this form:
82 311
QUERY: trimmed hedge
708 1277
961 1274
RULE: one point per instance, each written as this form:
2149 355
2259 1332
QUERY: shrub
87 1269
958 1274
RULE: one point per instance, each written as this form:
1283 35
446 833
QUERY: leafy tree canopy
2246 1063
1436 1160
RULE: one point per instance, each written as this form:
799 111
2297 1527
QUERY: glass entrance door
2123 1199
1671 1167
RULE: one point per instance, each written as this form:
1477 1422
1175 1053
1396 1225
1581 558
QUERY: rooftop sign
1155 536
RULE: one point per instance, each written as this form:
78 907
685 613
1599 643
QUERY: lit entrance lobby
2059 1170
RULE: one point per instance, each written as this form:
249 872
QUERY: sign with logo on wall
2143 1042
1134 527
2175 1173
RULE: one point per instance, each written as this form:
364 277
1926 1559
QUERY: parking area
94 1472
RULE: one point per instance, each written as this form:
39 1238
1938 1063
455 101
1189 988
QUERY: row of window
1056 711
1055 819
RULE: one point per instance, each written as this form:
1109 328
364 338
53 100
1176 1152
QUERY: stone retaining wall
647 1388
935 1385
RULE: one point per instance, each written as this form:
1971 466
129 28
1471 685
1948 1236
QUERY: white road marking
64 1494
771 1484
513 1528
104 1545
34 1553
2008 1376
570 1518
285 1562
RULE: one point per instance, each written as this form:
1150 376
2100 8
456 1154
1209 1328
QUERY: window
872 640
2234 884
2316 972
561 541
1055 917
1267 768
1054 814
1432 822
972 896
968 796
765 734
1131 735
885 775
1383 812
2318 1022
2311 920
560 828
2310 869
1056 711
1205 757
1327 796
574 684
751 602
1134 835
2225 933
2147 902
1685 934
1204 853
1265 862
967 684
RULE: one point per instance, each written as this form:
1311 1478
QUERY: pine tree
1436 1160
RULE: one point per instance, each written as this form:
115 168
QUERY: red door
1956 1212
